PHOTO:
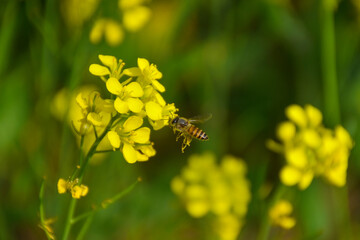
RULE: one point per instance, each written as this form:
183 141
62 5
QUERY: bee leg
186 142
178 136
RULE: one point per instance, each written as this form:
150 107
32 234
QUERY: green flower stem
83 166
41 210
331 101
85 227
266 223
69 218
328 63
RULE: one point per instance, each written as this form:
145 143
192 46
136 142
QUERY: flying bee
188 130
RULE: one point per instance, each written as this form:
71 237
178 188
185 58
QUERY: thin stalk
328 63
332 103
266 223
69 218
83 166
85 227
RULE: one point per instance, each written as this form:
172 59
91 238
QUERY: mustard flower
147 74
134 139
77 12
158 115
206 187
310 149
127 96
279 214
135 15
112 30
95 111
76 190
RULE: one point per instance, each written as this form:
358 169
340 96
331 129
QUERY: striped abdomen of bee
197 133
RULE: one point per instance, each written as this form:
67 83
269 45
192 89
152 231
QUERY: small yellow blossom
77 12
135 15
111 29
147 74
76 190
227 227
310 149
280 214
133 138
222 190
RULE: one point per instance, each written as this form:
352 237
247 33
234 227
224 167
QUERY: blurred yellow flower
280 214
109 28
76 12
310 149
135 16
223 190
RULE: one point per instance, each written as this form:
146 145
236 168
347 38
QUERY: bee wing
200 118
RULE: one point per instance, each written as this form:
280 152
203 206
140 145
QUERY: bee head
174 121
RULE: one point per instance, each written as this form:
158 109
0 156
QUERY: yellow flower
127 96
76 190
95 111
206 187
280 214
159 116
76 12
79 191
147 74
112 30
227 226
62 186
135 16
134 139
310 149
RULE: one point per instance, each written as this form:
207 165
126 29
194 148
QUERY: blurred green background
243 61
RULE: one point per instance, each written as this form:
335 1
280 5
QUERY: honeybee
188 130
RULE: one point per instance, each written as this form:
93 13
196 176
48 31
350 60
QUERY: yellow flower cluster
134 16
136 97
206 187
73 187
279 214
310 149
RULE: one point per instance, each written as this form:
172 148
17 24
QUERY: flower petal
114 139
98 70
296 114
95 119
129 153
135 18
114 86
158 86
109 61
62 186
132 123
121 106
81 101
114 33
290 175
134 89
142 135
132 72
143 63
314 115
153 110
135 104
